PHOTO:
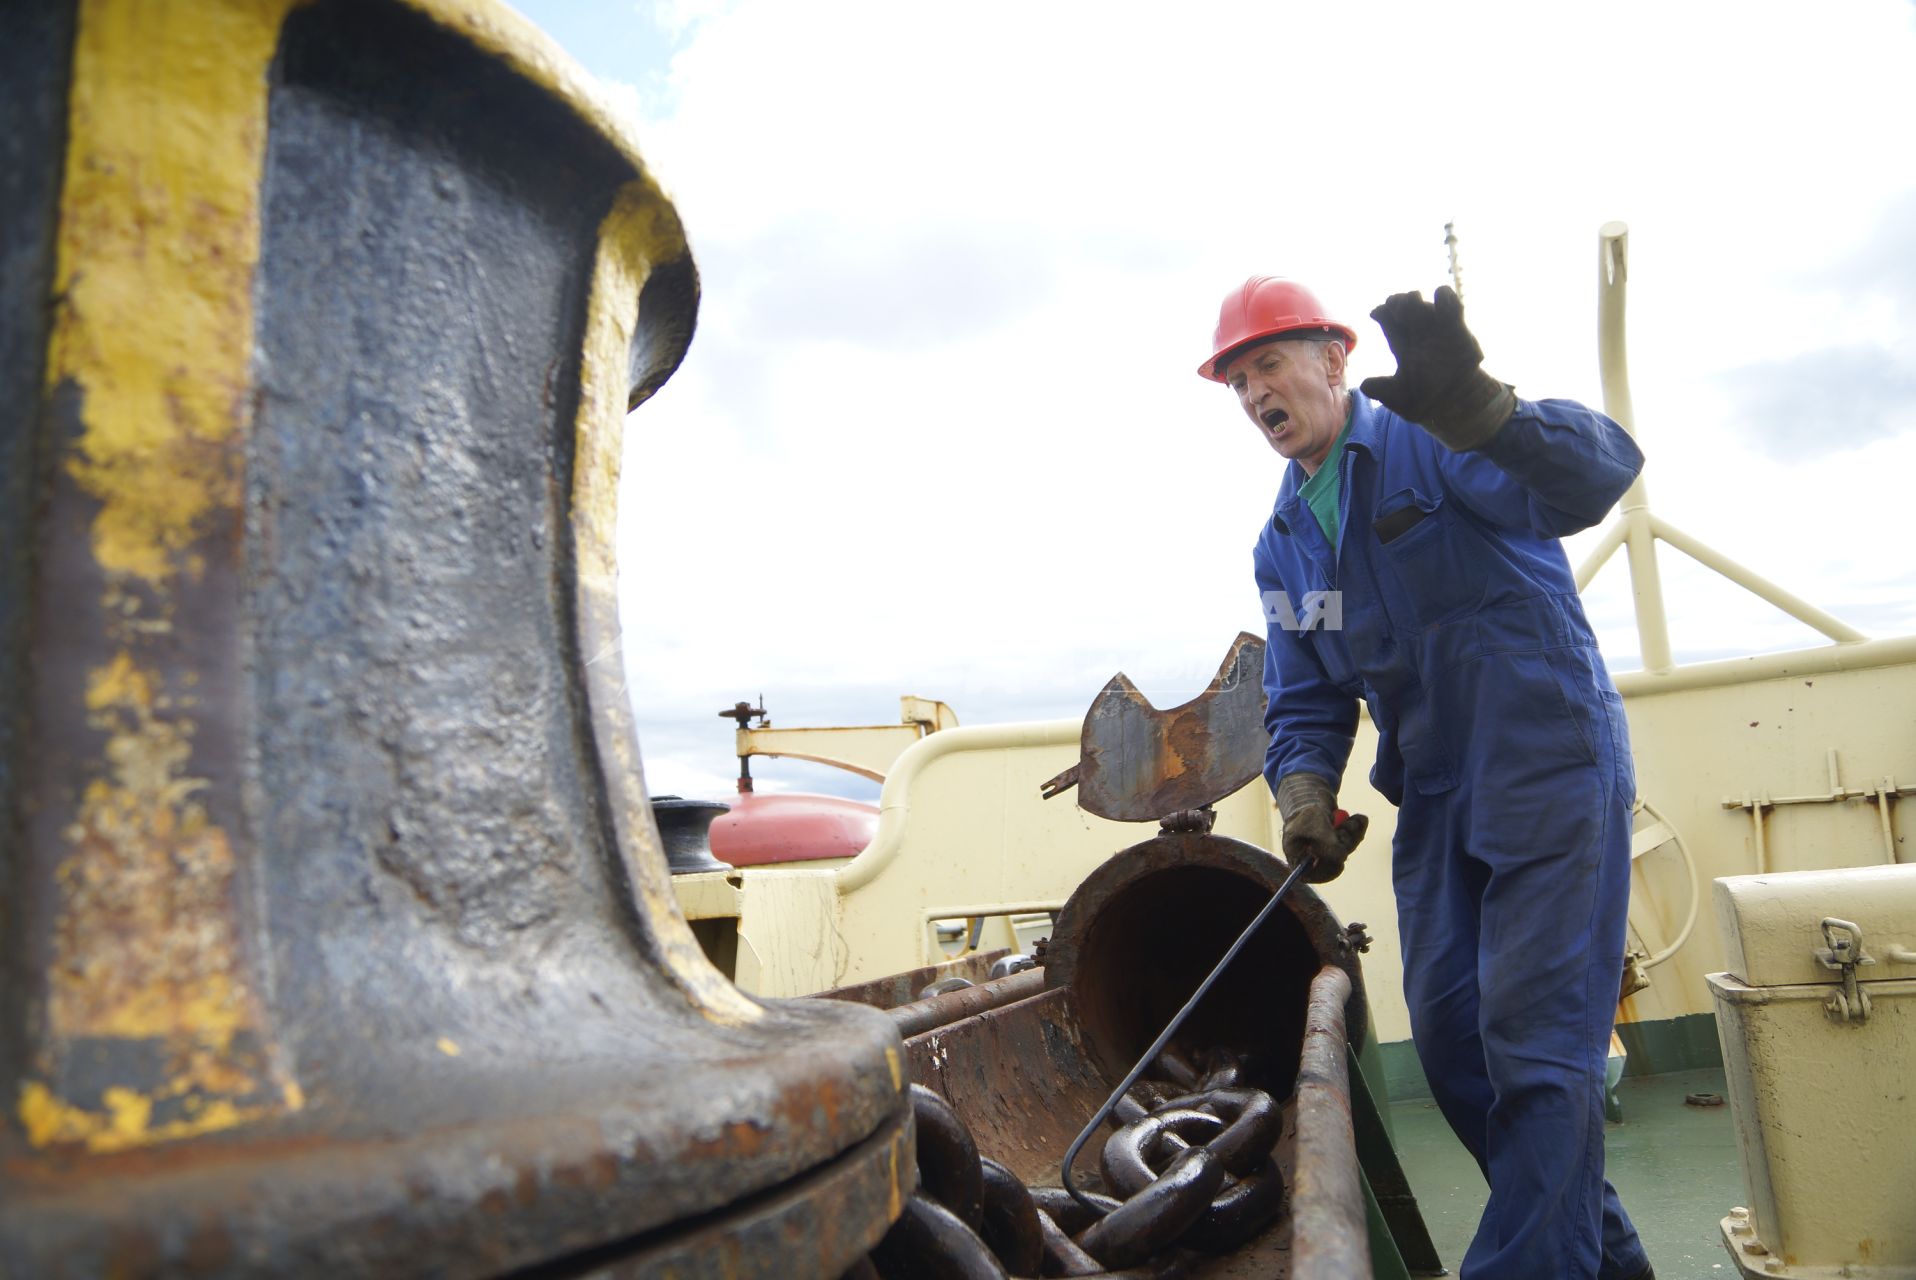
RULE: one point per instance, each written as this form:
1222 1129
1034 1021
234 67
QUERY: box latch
1843 951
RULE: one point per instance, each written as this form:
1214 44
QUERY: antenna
1456 268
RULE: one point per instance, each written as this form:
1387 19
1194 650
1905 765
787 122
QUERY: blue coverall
1502 741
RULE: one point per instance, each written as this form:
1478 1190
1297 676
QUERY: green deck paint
1688 1043
1675 1167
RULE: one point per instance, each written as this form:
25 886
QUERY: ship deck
1674 1165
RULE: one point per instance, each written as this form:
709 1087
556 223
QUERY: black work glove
1440 383
1312 828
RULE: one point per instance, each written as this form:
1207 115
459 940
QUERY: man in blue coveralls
1432 502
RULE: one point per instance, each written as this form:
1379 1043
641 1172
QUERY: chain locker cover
1821 1098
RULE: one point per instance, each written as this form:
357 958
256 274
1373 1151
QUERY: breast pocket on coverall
1439 565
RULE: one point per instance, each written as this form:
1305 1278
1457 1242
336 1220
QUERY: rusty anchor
1138 763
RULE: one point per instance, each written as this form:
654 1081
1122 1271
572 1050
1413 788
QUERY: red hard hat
1264 307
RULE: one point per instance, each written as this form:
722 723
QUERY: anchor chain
1190 1167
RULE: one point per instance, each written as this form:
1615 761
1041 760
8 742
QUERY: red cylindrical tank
791 827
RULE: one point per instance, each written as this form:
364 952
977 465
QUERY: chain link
1191 1167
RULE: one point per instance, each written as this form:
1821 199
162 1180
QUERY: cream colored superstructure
963 831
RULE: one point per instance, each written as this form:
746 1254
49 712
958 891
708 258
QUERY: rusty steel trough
1025 1060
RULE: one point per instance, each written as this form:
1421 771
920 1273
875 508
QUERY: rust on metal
1024 1060
1052 788
941 1010
832 1213
1018 1075
1329 1236
902 988
1138 763
1143 930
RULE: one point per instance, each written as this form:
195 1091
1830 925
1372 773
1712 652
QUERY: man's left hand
1323 838
1440 383
1316 831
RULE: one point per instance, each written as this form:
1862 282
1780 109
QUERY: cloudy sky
940 432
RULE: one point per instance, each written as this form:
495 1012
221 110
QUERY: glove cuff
1302 790
1469 417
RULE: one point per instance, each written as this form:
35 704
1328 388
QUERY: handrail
894 801
1891 652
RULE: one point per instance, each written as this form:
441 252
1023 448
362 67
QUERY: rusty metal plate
1020 1078
1139 764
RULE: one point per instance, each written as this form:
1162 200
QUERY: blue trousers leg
1511 964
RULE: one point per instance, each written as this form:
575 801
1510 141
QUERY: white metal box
1817 1017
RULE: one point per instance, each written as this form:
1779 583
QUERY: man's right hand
1312 828
1440 383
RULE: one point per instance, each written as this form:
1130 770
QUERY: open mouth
1275 418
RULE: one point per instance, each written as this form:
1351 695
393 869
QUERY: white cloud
940 434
